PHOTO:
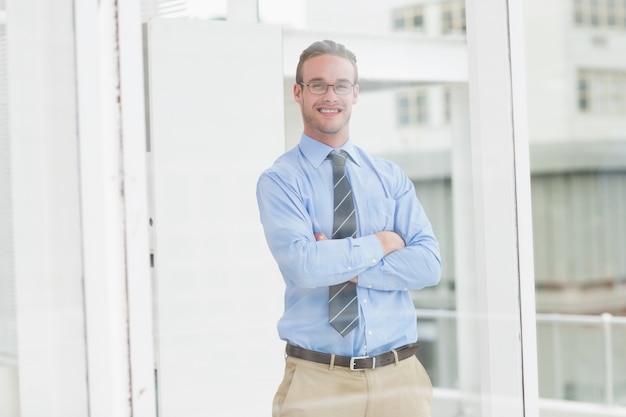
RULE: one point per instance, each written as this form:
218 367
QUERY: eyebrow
340 80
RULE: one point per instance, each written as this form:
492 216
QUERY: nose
330 94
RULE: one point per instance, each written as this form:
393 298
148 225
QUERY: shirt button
365 300
374 260
349 268
369 333
369 286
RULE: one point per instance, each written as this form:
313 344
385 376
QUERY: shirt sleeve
416 266
289 232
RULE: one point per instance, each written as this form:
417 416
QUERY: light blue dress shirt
295 198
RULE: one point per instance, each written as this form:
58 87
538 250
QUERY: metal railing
606 323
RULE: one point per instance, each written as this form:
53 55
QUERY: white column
136 218
501 203
465 256
112 142
519 91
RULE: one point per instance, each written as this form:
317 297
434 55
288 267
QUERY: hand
391 241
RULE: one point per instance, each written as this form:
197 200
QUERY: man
341 222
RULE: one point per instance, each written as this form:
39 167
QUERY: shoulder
286 169
284 163
390 174
380 164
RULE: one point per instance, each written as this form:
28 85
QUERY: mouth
329 111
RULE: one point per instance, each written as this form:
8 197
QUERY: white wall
217 120
46 212
45 186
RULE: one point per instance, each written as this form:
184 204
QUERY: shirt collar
316 151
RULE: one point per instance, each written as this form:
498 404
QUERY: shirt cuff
372 253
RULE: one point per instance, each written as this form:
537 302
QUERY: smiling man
351 239
326 116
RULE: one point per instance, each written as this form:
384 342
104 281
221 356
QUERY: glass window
602 91
398 23
403 111
453 17
598 13
399 117
418 21
409 19
412 107
447 105
578 182
421 108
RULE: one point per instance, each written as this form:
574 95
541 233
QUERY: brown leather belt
355 363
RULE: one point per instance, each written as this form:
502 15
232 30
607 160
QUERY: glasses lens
321 88
318 88
343 88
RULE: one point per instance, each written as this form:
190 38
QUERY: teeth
328 111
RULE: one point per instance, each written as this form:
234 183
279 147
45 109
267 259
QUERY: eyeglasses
319 87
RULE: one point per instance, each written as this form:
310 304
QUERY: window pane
403 111
398 23
402 85
578 180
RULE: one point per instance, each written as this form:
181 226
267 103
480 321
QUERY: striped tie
343 308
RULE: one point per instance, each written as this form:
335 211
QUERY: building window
412 108
600 13
447 105
409 19
403 111
602 91
453 17
421 108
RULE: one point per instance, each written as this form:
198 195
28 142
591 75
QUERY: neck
332 140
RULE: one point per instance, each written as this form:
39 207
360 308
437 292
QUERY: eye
318 87
343 88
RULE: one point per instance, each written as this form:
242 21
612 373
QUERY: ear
297 93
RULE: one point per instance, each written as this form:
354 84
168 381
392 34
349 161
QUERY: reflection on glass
577 113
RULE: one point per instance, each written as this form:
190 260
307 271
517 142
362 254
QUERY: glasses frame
327 86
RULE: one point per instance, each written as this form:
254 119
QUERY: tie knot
338 157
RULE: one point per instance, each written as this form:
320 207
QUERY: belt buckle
352 363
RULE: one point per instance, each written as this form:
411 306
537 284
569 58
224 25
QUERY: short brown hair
326 47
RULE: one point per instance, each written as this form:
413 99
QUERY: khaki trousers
311 389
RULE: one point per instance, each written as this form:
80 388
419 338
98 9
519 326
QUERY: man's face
326 116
